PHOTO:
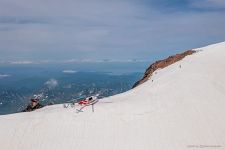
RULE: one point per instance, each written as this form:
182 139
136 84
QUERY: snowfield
182 108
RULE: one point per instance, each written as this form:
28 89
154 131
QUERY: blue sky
90 30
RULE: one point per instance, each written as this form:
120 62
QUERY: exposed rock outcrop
162 64
30 108
33 105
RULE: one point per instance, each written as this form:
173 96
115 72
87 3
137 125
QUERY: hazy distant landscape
59 83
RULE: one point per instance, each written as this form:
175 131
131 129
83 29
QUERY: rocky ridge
162 64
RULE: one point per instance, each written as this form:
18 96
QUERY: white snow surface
183 108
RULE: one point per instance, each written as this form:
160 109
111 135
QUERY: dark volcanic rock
162 64
33 105
30 108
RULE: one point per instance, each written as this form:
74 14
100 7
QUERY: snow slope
183 108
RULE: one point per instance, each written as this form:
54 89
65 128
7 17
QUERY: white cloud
52 83
69 71
4 76
103 61
24 62
209 4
